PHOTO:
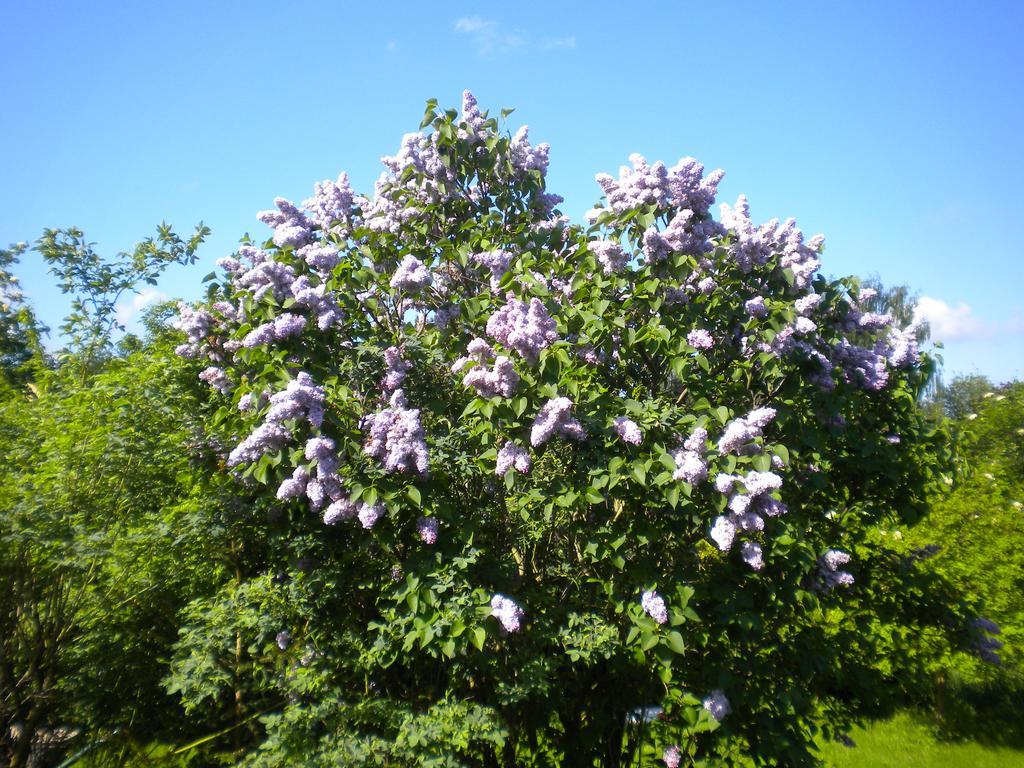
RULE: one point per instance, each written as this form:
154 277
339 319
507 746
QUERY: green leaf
414 495
477 637
675 642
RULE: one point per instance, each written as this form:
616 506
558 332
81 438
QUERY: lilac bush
503 402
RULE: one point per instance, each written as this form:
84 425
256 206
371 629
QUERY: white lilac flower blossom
628 430
654 606
508 614
283 639
672 757
512 456
427 528
412 275
396 437
700 339
528 330
369 514
555 418
718 705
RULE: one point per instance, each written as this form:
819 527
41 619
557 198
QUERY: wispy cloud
554 43
127 311
391 46
487 37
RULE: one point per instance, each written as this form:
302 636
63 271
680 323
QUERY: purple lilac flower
525 157
512 456
690 466
369 514
723 532
331 205
412 275
267 437
443 316
555 418
717 705
217 379
396 437
697 441
322 258
609 255
807 304
497 262
427 529
828 570
342 509
756 307
741 431
291 227
295 485
628 430
654 606
700 339
757 483
395 369
501 380
283 639
507 613
672 757
987 647
751 553
903 345
724 482
528 330
316 300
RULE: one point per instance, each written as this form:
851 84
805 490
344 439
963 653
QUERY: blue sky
893 128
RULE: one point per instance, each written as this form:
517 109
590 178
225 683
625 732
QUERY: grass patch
906 741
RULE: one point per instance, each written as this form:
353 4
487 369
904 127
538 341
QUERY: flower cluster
718 705
609 255
301 398
654 606
555 418
527 330
395 369
291 227
829 573
497 262
512 456
741 431
628 430
672 756
427 528
500 380
507 613
331 206
412 275
396 437
690 463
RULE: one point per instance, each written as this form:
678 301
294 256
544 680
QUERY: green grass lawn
905 742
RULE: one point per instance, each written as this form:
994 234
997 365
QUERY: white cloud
487 37
127 311
950 323
391 46
559 42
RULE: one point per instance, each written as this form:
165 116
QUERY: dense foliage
537 483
